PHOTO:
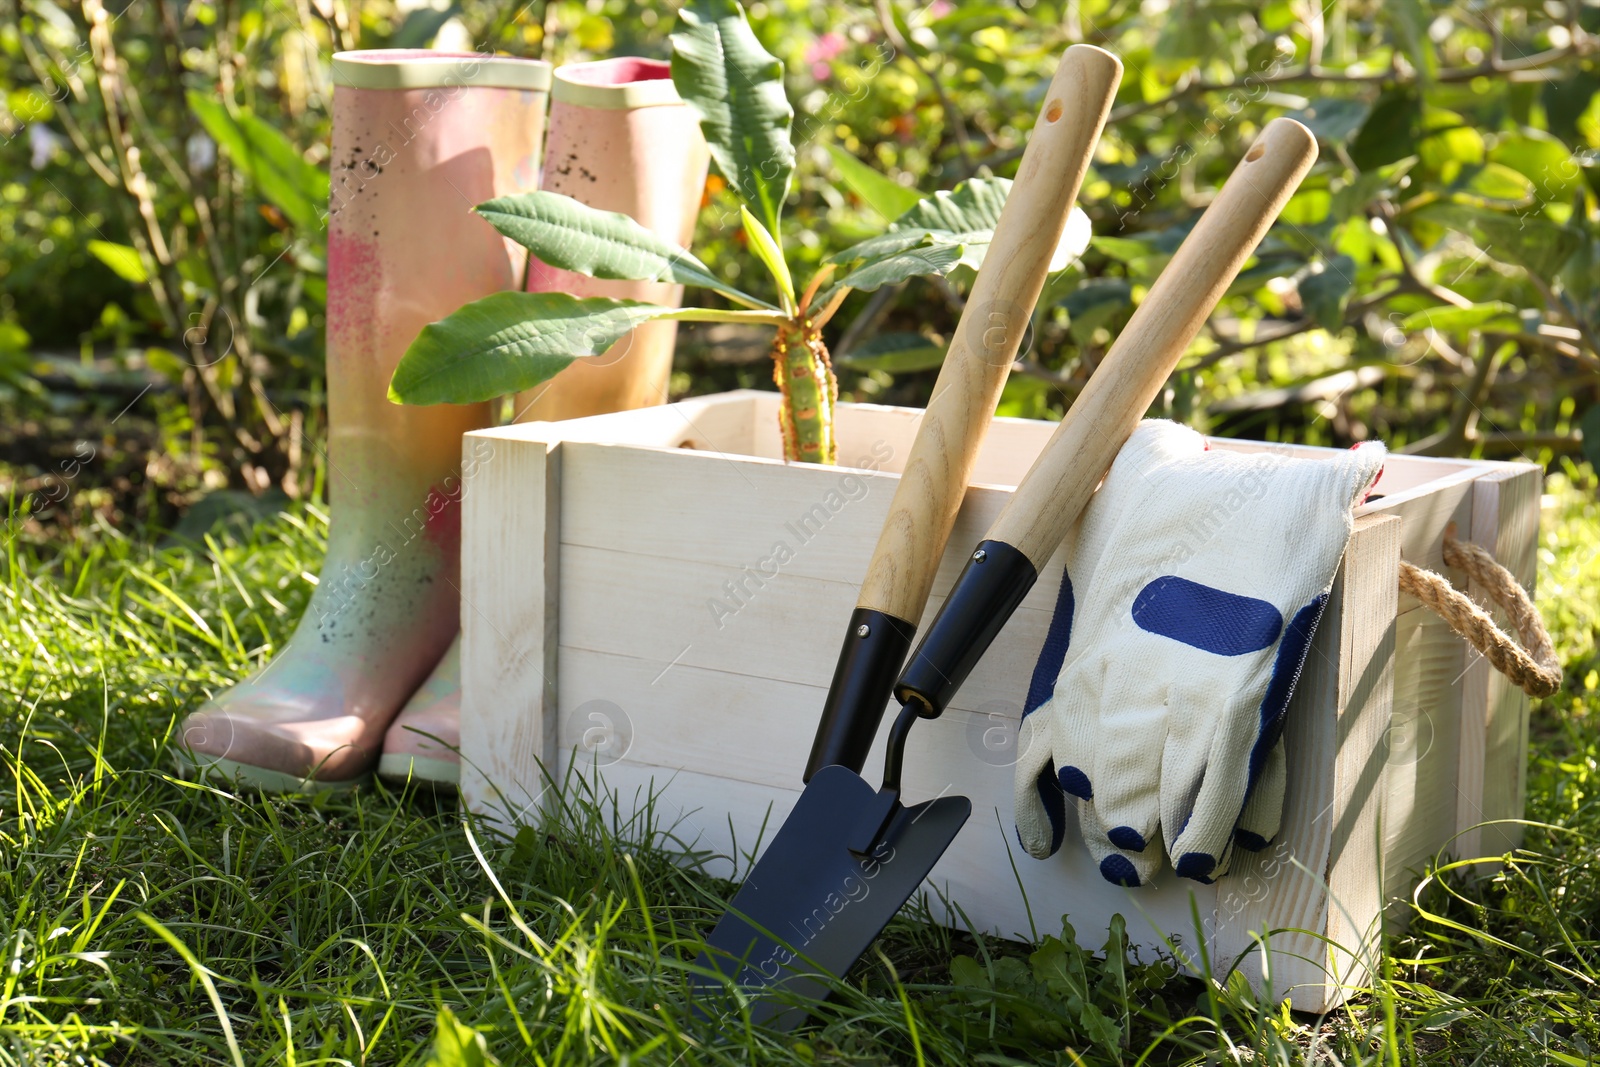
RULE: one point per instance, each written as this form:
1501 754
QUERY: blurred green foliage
1433 283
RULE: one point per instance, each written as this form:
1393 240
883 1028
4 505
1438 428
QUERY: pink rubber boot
418 139
620 140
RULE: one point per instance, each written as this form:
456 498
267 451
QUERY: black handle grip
994 581
873 653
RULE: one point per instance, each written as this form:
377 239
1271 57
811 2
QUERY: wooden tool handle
1121 389
992 326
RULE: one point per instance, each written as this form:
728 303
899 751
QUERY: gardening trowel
849 856
923 510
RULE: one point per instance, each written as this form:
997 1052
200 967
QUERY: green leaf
883 195
1189 34
1324 293
933 259
1350 197
13 339
963 217
767 250
602 244
1390 132
275 167
1448 143
1026 398
455 1044
123 260
1540 158
1448 319
510 341
422 25
896 353
1442 1018
735 86
1409 19
1567 100
1528 241
1495 182
968 212
1333 120
1093 304
968 972
1307 207
1124 249
1143 256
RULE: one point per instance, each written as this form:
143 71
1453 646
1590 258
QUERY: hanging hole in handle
1254 154
1053 112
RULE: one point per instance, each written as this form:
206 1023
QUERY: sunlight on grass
148 920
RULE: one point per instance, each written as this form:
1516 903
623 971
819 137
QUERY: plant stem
804 374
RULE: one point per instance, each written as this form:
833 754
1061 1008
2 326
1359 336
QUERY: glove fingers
1040 807
1118 866
1126 760
1201 805
1263 812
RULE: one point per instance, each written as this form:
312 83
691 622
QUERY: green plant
514 340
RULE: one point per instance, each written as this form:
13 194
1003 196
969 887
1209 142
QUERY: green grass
144 920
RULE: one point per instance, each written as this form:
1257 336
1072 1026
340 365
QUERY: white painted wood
596 554
1493 754
1313 896
509 577
1422 748
1365 701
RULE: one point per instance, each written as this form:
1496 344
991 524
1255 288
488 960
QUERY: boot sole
398 769
262 778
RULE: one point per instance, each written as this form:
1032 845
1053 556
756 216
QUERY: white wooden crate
657 594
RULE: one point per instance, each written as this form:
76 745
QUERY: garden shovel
849 856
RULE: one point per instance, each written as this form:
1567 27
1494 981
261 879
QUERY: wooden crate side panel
1422 748
509 580
787 630
1283 893
771 520
1366 698
1426 513
1494 753
725 752
722 422
716 825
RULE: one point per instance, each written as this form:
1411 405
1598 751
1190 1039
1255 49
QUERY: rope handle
1531 665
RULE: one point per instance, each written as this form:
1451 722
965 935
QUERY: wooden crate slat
509 582
1422 747
1493 755
1304 888
788 630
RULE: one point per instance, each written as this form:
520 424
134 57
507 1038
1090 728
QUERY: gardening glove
1194 583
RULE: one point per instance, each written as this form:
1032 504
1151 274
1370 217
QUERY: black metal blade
812 906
